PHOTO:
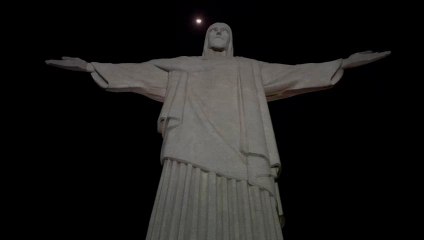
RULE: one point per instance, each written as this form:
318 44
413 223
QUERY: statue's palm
362 58
69 63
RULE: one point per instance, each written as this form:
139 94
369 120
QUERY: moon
198 21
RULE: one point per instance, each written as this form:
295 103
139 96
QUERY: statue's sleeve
283 81
143 78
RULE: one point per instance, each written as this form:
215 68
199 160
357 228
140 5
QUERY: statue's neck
210 53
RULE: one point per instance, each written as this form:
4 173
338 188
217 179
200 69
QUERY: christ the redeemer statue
219 155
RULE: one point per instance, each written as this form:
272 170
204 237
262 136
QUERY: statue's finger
384 54
387 53
378 56
53 62
67 58
61 63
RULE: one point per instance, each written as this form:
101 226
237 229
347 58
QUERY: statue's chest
222 77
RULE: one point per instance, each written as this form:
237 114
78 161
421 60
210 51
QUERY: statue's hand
362 58
74 64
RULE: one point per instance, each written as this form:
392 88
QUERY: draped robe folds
215 114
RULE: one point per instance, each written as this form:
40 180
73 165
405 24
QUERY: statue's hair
229 52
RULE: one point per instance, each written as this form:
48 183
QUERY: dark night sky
97 166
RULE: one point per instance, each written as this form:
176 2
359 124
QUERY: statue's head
218 40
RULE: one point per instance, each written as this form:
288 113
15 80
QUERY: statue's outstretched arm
282 81
74 64
142 78
362 58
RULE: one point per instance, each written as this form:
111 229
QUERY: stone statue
219 155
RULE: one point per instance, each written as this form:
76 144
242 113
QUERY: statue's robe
217 129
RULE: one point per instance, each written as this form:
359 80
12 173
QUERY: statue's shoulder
189 59
250 61
175 60
245 59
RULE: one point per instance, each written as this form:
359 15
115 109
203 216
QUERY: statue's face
219 37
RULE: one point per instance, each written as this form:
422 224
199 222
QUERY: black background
88 159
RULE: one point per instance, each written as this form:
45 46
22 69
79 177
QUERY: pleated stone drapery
192 204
